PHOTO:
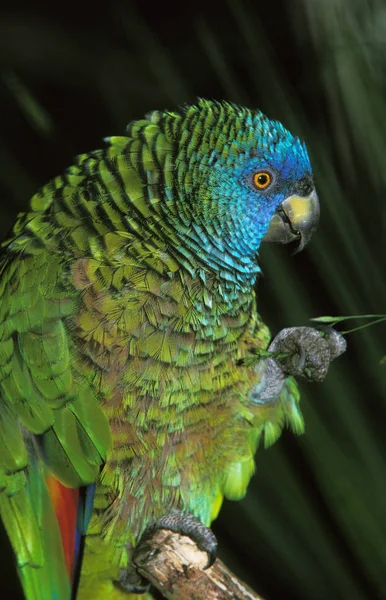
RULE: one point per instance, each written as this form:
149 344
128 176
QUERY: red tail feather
65 503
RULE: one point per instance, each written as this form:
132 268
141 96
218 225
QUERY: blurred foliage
313 525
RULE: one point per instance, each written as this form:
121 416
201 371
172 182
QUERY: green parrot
135 381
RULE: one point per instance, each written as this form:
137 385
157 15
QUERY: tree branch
175 566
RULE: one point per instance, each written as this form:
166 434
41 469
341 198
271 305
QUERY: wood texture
175 566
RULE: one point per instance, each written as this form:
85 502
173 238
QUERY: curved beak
295 219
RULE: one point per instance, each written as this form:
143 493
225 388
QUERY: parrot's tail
65 503
35 535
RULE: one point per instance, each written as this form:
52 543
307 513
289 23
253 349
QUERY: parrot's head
243 179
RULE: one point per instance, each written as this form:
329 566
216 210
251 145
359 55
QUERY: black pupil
262 179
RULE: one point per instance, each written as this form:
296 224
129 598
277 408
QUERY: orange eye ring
262 179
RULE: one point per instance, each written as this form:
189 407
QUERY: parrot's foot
131 582
186 524
306 352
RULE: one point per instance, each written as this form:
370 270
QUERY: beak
295 219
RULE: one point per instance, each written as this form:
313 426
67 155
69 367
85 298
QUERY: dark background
313 524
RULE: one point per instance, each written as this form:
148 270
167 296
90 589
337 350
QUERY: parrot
136 374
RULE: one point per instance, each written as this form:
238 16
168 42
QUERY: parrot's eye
262 179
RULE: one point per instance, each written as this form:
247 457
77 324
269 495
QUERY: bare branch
175 566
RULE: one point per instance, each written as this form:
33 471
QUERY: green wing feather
47 412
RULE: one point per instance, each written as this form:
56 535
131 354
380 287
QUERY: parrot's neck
198 251
195 249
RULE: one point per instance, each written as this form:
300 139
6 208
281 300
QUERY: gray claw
307 352
186 524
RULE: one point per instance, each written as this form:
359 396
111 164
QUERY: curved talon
186 524
212 555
